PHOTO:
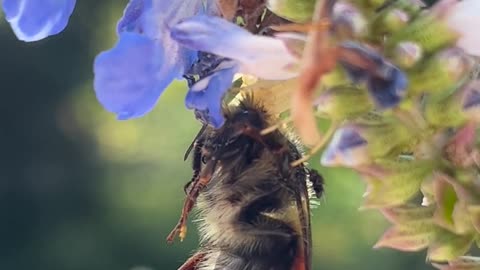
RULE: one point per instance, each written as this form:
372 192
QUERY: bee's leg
301 27
196 165
192 262
204 178
317 182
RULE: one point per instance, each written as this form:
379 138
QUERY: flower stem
323 141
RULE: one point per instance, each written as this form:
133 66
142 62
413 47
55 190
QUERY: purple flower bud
386 83
347 148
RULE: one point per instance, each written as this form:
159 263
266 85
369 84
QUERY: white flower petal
464 18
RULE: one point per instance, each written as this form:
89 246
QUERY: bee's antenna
200 132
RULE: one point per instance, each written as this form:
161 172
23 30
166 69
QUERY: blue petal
32 20
473 97
153 17
349 139
265 57
130 77
132 20
211 34
347 148
206 95
356 73
387 84
388 92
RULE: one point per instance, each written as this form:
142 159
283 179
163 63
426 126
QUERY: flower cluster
400 94
405 111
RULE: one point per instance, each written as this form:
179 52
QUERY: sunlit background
81 190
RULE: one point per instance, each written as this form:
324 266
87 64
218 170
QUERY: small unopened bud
407 54
390 21
428 31
347 148
343 102
386 83
441 73
357 144
455 109
471 101
348 21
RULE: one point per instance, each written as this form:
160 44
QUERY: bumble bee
253 206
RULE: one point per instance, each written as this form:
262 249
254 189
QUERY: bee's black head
247 114
240 134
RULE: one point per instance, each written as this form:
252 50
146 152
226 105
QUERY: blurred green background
81 190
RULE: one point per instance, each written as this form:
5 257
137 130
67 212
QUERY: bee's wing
303 261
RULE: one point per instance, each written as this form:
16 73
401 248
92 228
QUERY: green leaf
444 111
452 212
413 236
448 246
474 211
385 137
461 219
401 182
408 213
389 21
445 198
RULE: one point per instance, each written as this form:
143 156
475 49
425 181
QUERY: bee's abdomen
249 231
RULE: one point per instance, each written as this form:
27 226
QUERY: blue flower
160 41
130 77
386 83
32 20
265 57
